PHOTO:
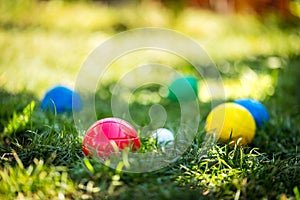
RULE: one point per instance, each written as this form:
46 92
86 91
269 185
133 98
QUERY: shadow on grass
10 103
281 135
287 95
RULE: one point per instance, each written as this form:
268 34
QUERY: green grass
44 43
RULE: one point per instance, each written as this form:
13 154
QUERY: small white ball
163 136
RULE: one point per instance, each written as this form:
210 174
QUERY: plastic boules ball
231 122
108 136
61 99
257 109
183 89
163 136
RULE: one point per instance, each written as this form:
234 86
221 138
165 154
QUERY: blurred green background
44 43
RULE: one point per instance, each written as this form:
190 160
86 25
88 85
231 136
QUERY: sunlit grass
36 60
249 84
36 182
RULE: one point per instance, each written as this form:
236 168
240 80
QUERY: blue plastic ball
183 89
61 99
257 110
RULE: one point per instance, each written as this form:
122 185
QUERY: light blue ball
62 99
257 110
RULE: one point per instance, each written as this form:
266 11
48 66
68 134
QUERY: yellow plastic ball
231 119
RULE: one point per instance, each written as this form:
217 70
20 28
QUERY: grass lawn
44 43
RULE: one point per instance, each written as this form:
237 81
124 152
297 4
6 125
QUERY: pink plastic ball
108 136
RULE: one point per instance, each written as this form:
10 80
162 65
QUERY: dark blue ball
61 99
257 110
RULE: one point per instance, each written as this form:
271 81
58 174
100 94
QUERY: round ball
183 89
257 109
61 99
163 136
231 121
108 136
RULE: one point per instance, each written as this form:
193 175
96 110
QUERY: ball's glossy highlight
108 136
231 121
61 99
183 89
257 109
